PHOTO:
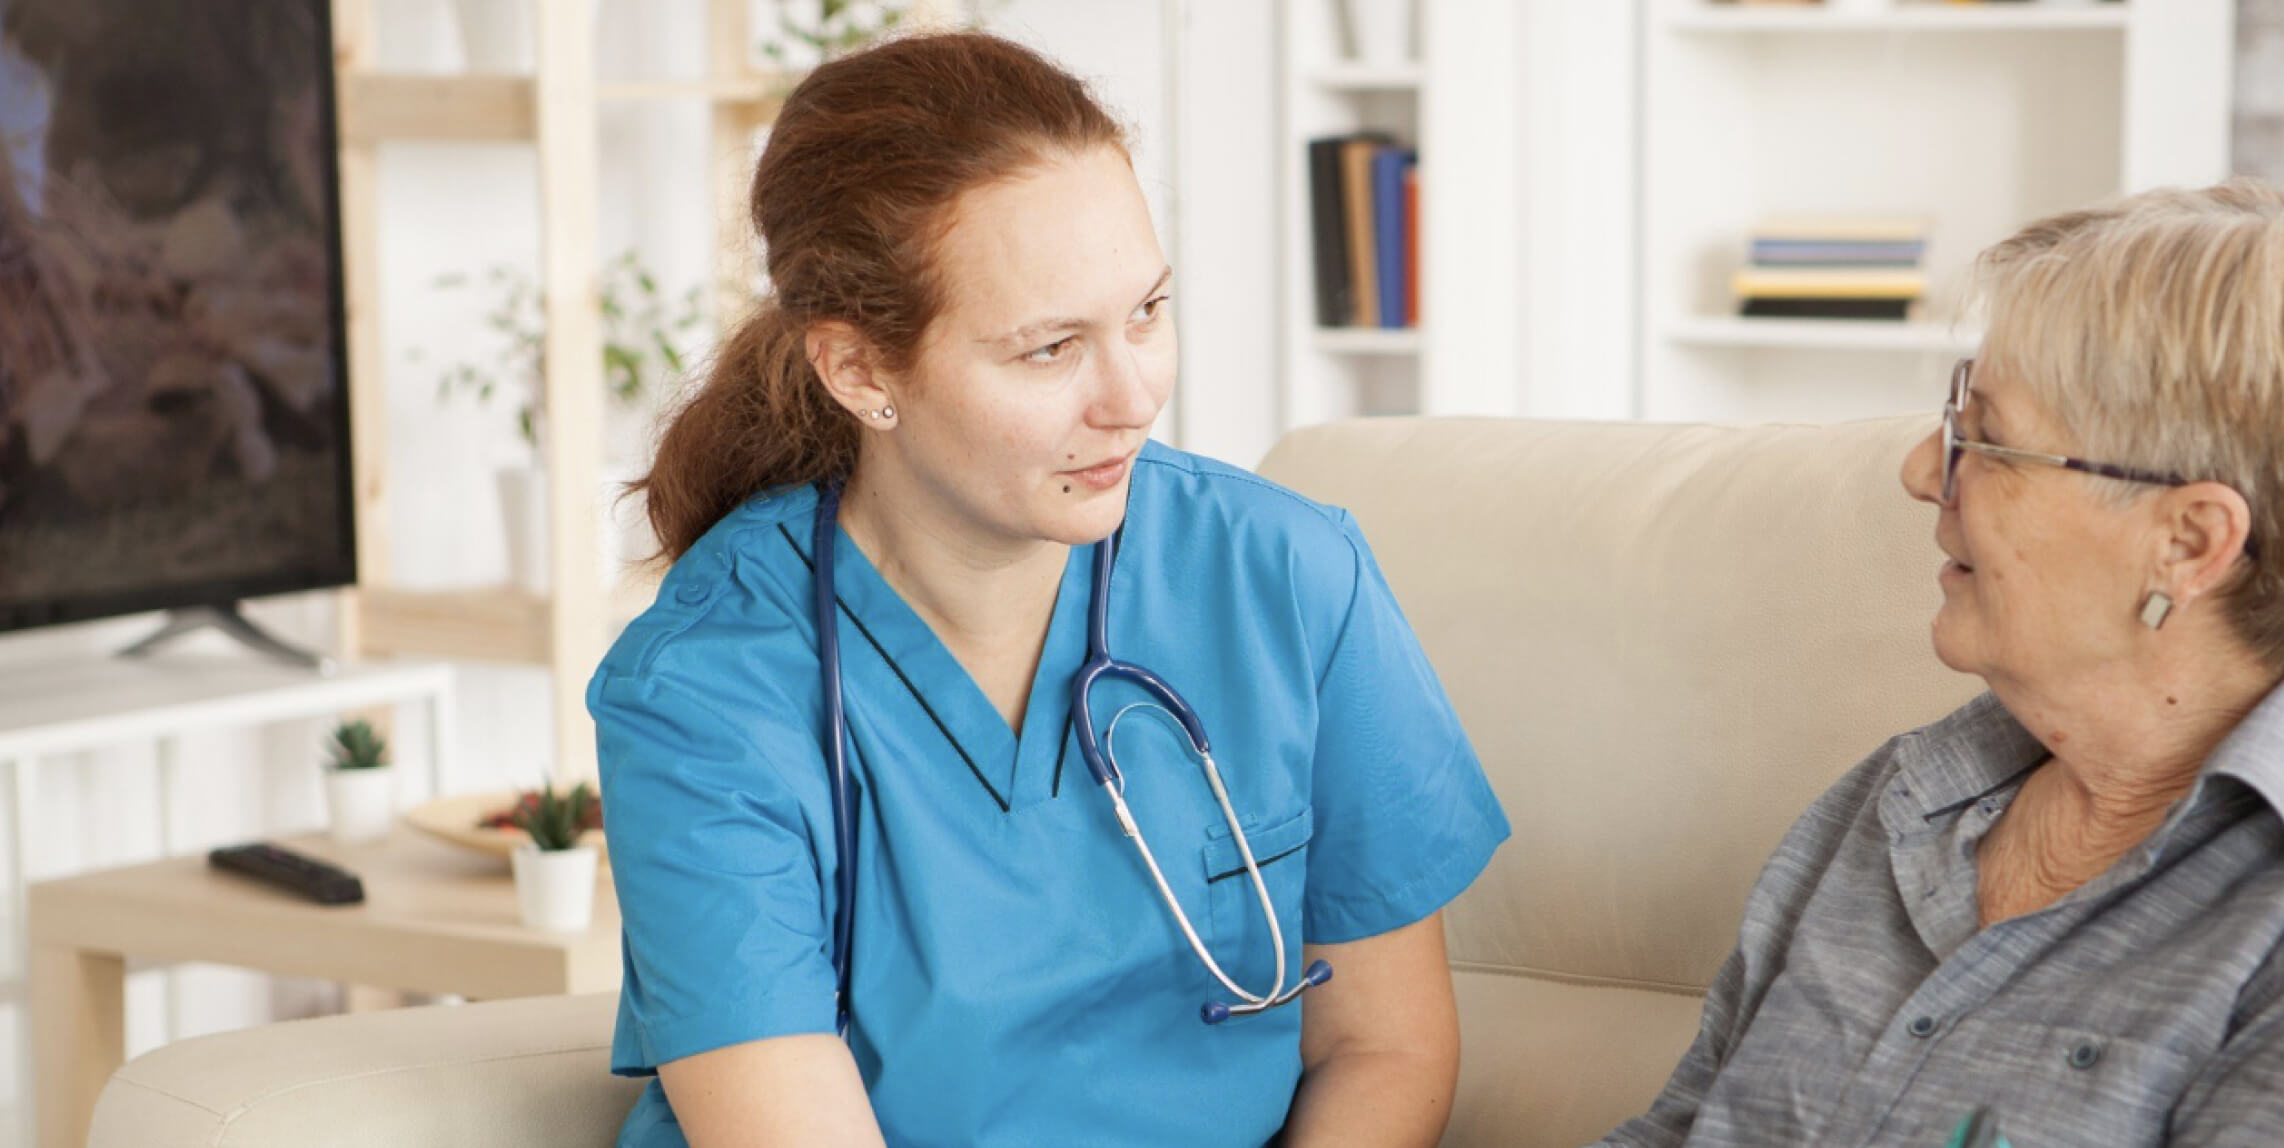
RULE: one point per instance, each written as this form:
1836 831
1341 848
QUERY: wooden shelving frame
554 109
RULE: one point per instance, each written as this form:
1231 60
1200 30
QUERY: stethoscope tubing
836 740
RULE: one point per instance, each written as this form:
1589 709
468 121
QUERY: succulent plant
357 745
555 820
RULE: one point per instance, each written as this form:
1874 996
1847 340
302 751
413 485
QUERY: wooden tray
455 818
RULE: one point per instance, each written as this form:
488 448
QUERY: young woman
869 759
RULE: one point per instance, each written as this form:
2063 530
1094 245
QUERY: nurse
969 336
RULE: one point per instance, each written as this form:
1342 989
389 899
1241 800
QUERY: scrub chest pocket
1237 929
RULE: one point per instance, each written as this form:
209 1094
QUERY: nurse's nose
1124 398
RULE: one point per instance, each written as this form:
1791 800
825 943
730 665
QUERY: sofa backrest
1664 641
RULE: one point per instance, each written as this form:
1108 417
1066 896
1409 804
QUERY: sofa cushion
1664 642
534 1071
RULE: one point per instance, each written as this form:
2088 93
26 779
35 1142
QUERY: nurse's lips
1102 475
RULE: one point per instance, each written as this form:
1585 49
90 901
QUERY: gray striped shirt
1864 1006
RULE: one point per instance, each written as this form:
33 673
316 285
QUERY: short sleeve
711 853
1405 819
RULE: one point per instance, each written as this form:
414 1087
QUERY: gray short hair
2153 328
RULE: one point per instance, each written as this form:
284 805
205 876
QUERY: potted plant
554 871
812 32
360 784
643 333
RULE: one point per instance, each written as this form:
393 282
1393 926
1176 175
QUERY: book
1823 252
1891 309
1846 228
1828 282
1363 253
1388 231
1328 234
1412 241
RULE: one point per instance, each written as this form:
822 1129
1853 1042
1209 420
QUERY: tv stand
225 617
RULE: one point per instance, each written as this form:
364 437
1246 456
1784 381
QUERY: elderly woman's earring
877 415
2154 610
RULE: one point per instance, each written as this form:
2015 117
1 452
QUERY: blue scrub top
1016 977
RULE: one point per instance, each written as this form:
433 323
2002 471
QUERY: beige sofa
1664 640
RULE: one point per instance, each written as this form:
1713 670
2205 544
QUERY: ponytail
761 420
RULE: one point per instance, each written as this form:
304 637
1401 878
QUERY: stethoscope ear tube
836 744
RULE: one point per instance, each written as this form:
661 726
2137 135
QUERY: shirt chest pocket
1236 926
2066 1085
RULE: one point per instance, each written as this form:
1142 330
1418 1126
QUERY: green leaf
357 745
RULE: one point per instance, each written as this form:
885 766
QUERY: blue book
1388 164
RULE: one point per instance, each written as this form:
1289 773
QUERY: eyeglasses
1962 380
1962 389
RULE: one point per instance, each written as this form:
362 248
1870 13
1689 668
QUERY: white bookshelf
1975 117
1454 98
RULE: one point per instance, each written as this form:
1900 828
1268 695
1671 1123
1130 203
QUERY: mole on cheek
1066 490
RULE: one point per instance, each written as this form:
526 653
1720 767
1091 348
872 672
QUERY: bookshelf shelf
1975 118
1821 334
378 107
1366 78
1368 340
1903 18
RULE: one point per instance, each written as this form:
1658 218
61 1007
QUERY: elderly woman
2064 902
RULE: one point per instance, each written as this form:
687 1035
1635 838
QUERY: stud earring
888 412
2154 610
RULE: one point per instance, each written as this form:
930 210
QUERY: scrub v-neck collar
1015 772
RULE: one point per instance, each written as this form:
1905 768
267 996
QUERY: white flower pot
1384 30
624 533
523 513
361 803
555 888
495 35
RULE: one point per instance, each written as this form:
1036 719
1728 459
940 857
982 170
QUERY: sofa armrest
529 1071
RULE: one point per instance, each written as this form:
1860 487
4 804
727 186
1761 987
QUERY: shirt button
1921 1026
691 593
2085 1055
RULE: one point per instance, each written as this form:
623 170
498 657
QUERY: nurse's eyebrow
1040 329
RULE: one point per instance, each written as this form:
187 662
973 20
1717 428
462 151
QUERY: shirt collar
1980 748
1977 749
2253 752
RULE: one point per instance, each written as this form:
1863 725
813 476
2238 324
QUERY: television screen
173 417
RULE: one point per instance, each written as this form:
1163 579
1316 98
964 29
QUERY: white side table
98 703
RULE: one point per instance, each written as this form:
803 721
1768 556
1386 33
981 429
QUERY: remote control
302 875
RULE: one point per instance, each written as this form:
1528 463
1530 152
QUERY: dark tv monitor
174 425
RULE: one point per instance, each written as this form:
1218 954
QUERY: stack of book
1364 231
1834 269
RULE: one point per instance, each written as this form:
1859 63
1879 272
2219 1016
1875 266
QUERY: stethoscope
1101 761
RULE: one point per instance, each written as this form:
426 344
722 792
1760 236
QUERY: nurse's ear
844 359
